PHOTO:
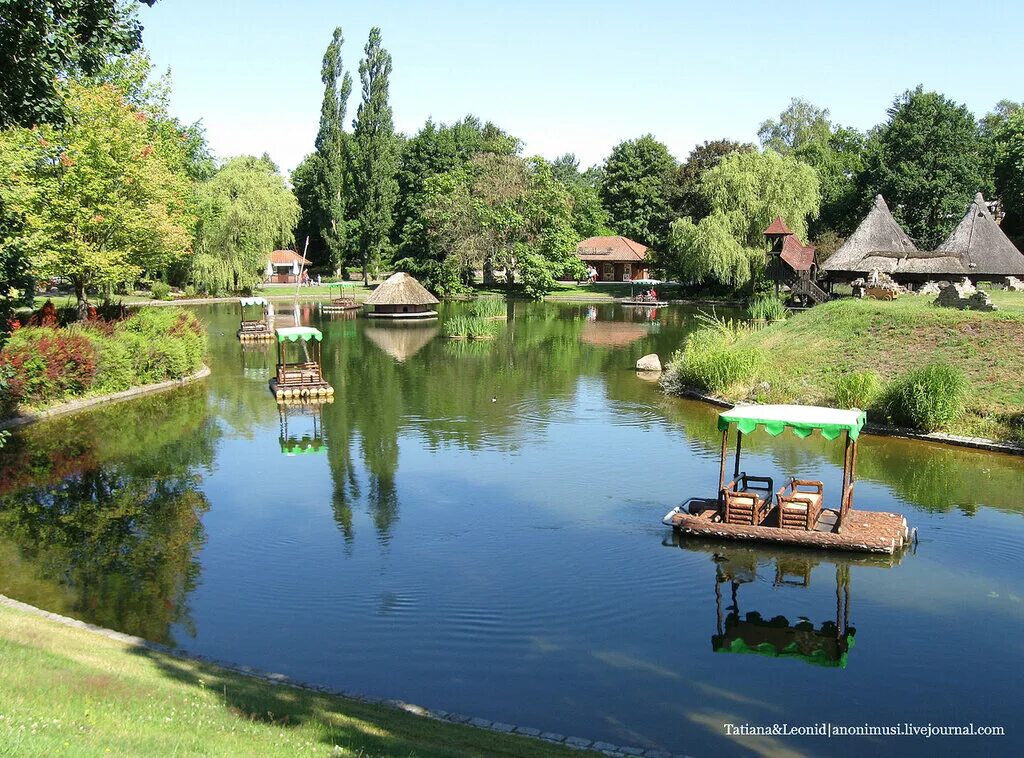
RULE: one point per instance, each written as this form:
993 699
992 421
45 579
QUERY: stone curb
74 406
580 743
883 430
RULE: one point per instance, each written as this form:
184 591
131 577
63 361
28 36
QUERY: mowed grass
67 691
809 352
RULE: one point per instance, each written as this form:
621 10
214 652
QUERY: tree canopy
101 202
44 41
745 192
245 212
635 189
927 161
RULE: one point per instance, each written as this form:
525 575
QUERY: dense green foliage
686 197
634 189
48 364
712 361
245 211
745 191
1008 144
767 308
930 398
43 41
927 161
858 389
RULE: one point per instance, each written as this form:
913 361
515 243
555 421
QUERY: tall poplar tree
329 195
374 159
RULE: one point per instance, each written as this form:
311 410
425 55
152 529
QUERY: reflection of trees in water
111 536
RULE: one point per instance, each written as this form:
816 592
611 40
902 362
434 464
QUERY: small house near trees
616 259
977 248
285 267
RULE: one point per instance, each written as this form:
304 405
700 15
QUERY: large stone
965 298
649 363
1013 284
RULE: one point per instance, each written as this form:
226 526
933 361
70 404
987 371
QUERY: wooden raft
866 531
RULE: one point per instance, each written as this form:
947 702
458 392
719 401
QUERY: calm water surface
476 527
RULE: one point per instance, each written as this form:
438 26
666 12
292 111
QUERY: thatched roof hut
977 248
879 242
981 245
401 296
400 341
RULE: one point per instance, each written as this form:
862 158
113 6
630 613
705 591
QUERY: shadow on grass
359 727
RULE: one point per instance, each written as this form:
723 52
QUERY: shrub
7 402
190 290
711 360
115 370
161 291
159 361
48 365
456 326
858 389
489 308
482 329
928 398
767 308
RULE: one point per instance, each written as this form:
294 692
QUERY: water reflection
103 520
763 632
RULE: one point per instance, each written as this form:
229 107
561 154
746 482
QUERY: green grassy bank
68 691
802 359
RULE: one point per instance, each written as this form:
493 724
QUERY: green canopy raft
341 297
299 370
257 322
749 508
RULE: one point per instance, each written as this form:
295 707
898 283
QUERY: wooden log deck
255 334
340 305
865 531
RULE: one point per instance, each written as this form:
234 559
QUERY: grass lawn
68 691
810 351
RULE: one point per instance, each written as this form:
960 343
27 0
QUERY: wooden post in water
739 446
725 452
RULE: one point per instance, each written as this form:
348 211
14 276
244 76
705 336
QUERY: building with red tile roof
616 258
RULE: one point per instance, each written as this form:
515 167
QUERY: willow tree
245 212
374 159
744 192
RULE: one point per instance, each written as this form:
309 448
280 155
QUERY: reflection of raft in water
749 508
299 376
750 633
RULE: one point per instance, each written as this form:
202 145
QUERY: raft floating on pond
749 508
259 329
342 300
299 372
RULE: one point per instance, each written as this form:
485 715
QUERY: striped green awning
295 333
802 419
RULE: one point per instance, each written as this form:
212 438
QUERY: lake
476 527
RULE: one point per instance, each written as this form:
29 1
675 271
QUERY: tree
805 132
686 197
745 191
1009 171
245 212
325 217
799 124
44 41
433 151
374 159
634 189
16 285
101 204
927 161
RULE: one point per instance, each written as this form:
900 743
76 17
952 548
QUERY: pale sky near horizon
575 76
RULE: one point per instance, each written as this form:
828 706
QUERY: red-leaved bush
48 365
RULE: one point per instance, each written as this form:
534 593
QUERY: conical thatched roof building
401 296
981 245
977 248
877 243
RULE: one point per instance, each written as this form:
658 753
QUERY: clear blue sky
575 76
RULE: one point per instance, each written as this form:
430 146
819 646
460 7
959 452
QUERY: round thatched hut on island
401 296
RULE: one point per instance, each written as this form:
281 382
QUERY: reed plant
456 327
767 308
712 361
491 308
482 329
930 398
858 389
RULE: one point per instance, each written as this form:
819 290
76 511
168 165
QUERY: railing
809 289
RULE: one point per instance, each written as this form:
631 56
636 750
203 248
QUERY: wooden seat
800 508
742 502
